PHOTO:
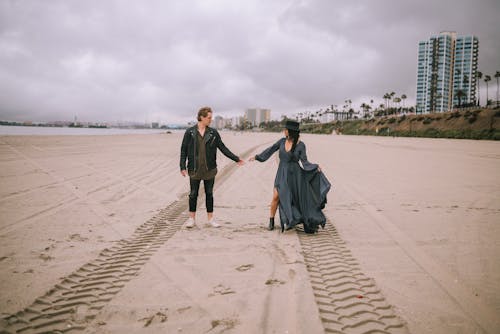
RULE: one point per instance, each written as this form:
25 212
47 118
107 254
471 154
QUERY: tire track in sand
475 307
348 301
74 302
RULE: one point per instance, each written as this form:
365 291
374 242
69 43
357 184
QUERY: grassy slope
470 124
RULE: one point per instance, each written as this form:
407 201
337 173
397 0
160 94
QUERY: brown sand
419 215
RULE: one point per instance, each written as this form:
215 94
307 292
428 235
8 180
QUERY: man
199 147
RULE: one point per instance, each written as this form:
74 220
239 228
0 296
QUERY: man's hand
184 173
241 162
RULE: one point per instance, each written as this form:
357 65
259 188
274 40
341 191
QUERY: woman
300 191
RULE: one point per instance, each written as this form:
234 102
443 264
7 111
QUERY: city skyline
161 62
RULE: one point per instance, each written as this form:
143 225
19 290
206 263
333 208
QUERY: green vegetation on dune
464 124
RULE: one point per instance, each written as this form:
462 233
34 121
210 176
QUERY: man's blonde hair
203 112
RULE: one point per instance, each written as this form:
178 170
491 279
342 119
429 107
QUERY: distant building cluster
251 118
256 116
447 72
227 122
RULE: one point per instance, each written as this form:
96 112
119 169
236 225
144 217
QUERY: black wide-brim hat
292 125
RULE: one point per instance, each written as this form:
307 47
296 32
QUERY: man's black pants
209 196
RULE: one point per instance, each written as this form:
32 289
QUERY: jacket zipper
194 144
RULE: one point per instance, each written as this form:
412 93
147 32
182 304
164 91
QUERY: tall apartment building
219 122
446 72
256 116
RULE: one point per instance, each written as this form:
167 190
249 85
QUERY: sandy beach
92 239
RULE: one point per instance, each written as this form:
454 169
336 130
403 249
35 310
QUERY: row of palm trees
487 79
387 107
391 96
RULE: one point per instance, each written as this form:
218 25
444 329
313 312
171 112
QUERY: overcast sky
162 60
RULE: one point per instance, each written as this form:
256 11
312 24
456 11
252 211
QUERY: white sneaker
213 223
190 223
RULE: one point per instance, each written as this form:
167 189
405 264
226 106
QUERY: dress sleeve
303 158
266 154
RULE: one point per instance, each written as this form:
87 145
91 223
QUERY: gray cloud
161 61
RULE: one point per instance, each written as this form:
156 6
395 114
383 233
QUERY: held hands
251 159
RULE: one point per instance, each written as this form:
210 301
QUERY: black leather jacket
213 142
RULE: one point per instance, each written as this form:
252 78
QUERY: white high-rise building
219 122
256 116
465 69
446 72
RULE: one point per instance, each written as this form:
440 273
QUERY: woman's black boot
282 226
271 224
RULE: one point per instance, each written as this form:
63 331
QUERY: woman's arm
266 154
303 158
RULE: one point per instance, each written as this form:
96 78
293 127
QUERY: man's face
206 120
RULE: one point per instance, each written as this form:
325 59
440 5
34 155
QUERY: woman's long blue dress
302 189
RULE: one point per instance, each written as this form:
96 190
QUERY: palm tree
460 93
487 79
387 96
350 113
348 103
363 107
479 75
434 97
397 100
497 75
366 107
392 95
403 97
438 97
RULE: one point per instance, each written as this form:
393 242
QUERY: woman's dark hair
295 137
204 112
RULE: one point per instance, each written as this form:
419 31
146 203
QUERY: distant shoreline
14 130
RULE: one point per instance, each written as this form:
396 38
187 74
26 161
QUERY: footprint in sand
273 281
183 309
226 324
159 316
245 267
50 247
45 257
76 237
221 290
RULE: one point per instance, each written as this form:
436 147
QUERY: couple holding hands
300 188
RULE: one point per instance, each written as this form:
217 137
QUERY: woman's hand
184 172
241 162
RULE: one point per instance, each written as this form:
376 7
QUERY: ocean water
53 131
